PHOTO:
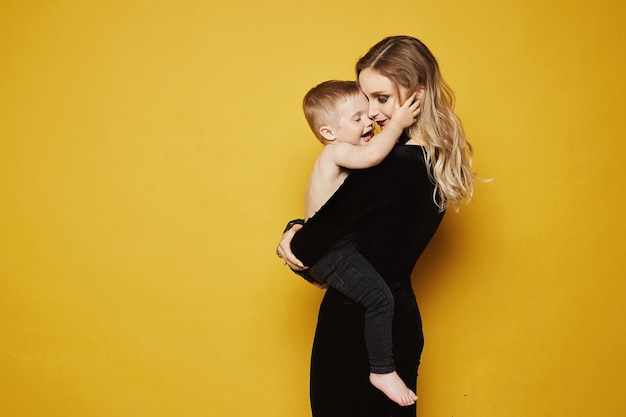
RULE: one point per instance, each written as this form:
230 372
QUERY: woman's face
381 93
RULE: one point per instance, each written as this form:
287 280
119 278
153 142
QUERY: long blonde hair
407 62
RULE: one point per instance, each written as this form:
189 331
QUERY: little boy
337 112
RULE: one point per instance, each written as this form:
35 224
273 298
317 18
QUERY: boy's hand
406 115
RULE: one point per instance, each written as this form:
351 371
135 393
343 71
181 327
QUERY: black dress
391 209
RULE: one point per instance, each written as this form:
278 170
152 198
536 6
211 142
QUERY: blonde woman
393 209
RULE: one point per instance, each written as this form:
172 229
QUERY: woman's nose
372 111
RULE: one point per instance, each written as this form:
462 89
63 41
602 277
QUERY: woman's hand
284 249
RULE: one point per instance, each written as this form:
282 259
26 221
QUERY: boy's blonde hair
407 62
320 103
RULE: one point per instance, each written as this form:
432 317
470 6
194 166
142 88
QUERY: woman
394 209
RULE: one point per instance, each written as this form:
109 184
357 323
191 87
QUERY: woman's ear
327 133
419 93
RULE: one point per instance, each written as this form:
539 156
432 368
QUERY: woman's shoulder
407 154
410 150
402 160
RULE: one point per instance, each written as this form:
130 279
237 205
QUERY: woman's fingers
284 249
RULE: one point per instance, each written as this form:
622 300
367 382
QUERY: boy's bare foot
393 387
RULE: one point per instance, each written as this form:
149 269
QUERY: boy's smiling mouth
368 135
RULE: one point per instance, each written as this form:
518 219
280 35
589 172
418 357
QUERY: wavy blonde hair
407 62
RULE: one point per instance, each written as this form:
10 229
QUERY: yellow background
151 152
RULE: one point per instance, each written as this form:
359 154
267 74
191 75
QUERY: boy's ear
327 133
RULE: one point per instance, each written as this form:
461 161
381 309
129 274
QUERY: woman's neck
417 139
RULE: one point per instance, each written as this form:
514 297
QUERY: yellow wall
151 152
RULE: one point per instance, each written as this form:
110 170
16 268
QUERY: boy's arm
365 156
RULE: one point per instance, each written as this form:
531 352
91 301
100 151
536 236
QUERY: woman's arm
362 193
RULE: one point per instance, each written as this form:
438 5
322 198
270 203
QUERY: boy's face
354 126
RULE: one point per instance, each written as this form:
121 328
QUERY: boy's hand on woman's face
406 114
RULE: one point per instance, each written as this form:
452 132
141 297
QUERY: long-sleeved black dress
391 208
